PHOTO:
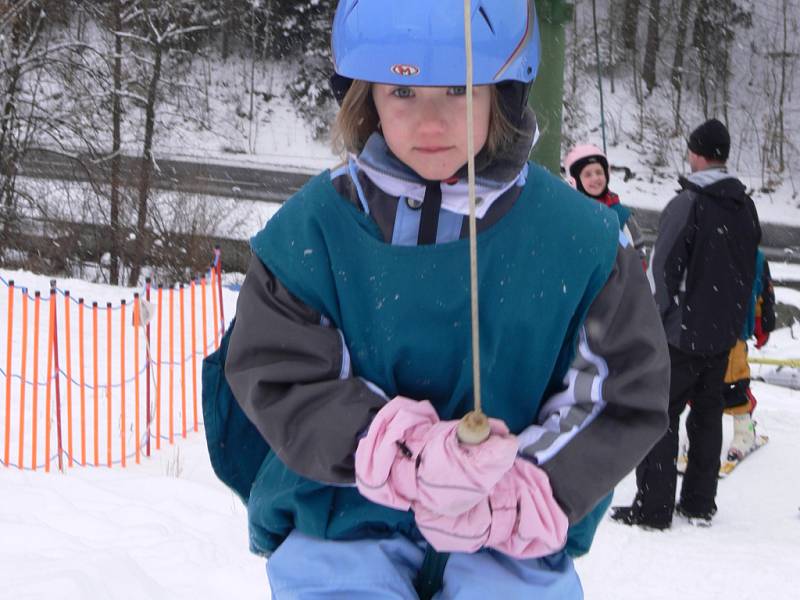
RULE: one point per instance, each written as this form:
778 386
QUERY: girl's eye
457 90
403 92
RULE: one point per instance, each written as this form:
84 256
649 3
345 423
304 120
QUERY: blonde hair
358 119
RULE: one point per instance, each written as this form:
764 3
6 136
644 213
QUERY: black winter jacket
703 262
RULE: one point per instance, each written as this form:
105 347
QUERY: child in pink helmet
587 171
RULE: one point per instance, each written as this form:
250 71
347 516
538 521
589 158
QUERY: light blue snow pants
306 568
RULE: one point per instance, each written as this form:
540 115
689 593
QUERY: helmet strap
339 86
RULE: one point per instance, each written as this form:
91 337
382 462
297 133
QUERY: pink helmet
580 156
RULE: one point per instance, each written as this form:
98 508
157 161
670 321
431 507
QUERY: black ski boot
630 515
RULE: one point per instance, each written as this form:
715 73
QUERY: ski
728 465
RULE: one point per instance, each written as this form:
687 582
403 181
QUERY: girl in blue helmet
349 361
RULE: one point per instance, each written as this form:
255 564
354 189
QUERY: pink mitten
453 477
466 532
386 456
527 522
520 518
408 455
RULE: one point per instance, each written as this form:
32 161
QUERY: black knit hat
711 140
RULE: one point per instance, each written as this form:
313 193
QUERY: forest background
245 81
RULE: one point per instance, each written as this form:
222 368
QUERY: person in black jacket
701 272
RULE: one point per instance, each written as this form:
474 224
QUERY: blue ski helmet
421 42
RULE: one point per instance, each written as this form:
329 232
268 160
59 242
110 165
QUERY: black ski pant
697 379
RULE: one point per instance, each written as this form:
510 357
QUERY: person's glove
409 456
762 337
520 518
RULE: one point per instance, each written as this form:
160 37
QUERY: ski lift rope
474 426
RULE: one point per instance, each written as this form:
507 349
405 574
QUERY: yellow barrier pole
782 362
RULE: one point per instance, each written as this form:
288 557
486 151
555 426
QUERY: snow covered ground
169 529
752 551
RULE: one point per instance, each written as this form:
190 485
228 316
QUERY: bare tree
163 25
715 27
630 23
782 58
25 20
652 45
676 75
116 146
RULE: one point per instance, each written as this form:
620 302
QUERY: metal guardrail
779 242
230 181
85 242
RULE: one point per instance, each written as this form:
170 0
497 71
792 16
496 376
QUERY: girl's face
426 127
593 179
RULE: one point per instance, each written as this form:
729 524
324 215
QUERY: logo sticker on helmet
405 70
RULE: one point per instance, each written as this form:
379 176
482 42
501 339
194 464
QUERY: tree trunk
782 93
700 35
116 145
676 76
612 14
8 118
24 37
141 243
7 150
725 76
630 23
574 74
251 142
652 45
226 33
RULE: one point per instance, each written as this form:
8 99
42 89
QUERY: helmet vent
486 18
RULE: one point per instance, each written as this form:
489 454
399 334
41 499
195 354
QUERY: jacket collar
492 179
706 177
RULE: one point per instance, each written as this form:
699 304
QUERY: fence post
205 313
9 340
37 297
51 320
122 448
171 398
137 307
109 403
218 266
147 367
68 349
81 364
214 308
96 389
23 373
158 367
182 314
193 288
54 312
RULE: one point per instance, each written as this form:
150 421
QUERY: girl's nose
432 116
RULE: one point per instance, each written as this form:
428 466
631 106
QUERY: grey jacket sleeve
614 407
671 251
634 232
290 372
